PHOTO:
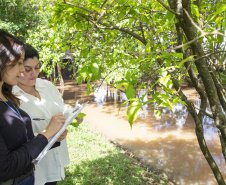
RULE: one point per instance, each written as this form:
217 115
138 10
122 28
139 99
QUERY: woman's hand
55 124
63 136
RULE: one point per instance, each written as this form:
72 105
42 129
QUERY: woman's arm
14 163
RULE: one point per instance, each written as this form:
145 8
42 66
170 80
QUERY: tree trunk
60 79
183 10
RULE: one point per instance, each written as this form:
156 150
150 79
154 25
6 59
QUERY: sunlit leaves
157 114
79 26
170 16
178 55
163 72
133 111
220 38
148 47
195 11
17 17
224 25
176 99
118 86
75 123
185 60
168 62
129 90
218 10
84 53
94 68
131 77
132 44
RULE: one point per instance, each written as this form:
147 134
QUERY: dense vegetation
135 44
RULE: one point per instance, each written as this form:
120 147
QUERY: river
168 144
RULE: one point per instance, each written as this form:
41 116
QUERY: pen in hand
38 119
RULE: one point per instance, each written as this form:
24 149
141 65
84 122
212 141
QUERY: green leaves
79 26
218 12
94 68
220 9
195 10
18 17
75 123
129 91
163 72
170 16
133 111
131 77
185 60
84 53
132 44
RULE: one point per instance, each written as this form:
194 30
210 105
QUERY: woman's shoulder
48 86
43 82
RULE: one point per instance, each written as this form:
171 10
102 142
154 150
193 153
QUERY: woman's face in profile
12 74
29 76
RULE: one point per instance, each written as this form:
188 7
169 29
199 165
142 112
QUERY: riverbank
168 144
96 160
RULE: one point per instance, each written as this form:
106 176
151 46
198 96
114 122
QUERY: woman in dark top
18 146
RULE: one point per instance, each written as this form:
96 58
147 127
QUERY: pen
38 119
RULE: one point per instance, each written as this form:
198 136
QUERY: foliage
17 16
29 21
49 49
75 122
124 43
140 44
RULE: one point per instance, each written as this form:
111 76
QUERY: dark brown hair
11 50
30 52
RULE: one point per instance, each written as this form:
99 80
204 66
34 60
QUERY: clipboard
77 109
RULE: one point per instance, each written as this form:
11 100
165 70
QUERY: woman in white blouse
41 100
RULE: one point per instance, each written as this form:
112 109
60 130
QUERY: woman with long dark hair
18 145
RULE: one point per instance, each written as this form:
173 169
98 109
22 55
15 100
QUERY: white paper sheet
77 109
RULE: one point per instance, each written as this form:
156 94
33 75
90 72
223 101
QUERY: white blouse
51 167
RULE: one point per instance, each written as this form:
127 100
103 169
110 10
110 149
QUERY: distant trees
18 16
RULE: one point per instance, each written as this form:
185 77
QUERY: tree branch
206 113
189 17
182 45
103 3
209 54
110 27
141 27
94 47
80 7
166 7
102 14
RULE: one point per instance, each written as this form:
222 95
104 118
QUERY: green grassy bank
96 160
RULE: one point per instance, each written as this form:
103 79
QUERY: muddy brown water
168 144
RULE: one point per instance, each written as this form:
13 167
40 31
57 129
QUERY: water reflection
177 117
168 144
178 121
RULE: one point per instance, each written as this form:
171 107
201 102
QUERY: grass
96 160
